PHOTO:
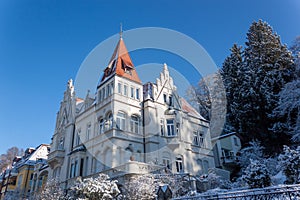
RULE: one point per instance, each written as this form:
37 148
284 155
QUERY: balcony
56 157
229 160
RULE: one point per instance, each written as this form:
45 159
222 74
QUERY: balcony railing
229 159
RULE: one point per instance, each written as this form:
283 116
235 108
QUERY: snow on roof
223 136
188 108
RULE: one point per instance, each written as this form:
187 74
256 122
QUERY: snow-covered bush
140 187
178 184
95 188
256 175
289 162
52 190
254 151
12 195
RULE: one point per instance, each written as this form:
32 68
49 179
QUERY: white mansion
128 128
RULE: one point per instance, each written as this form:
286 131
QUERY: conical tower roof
121 64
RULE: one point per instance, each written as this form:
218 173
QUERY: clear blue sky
43 43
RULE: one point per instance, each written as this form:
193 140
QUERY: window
132 92
119 88
162 127
179 164
112 88
121 120
61 143
75 168
125 90
165 98
196 138
101 126
40 182
109 121
235 141
86 166
104 92
99 95
81 167
167 163
20 179
137 95
170 100
201 138
88 131
170 127
108 91
134 124
77 137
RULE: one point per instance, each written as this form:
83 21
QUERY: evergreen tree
289 162
270 65
253 78
231 75
257 175
288 108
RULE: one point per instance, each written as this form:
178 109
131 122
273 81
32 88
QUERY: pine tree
232 76
253 78
288 109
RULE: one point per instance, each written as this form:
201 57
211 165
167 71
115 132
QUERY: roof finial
121 31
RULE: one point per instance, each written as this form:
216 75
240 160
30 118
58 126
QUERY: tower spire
121 31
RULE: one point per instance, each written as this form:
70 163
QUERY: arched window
121 120
179 164
134 124
101 126
109 121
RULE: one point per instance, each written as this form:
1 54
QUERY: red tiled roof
121 64
188 108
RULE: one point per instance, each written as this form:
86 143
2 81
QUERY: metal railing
286 192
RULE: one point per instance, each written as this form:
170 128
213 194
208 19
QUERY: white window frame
171 128
120 88
195 138
121 120
179 164
137 93
101 125
125 90
135 124
132 92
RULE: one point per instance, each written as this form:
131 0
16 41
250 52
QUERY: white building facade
129 127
